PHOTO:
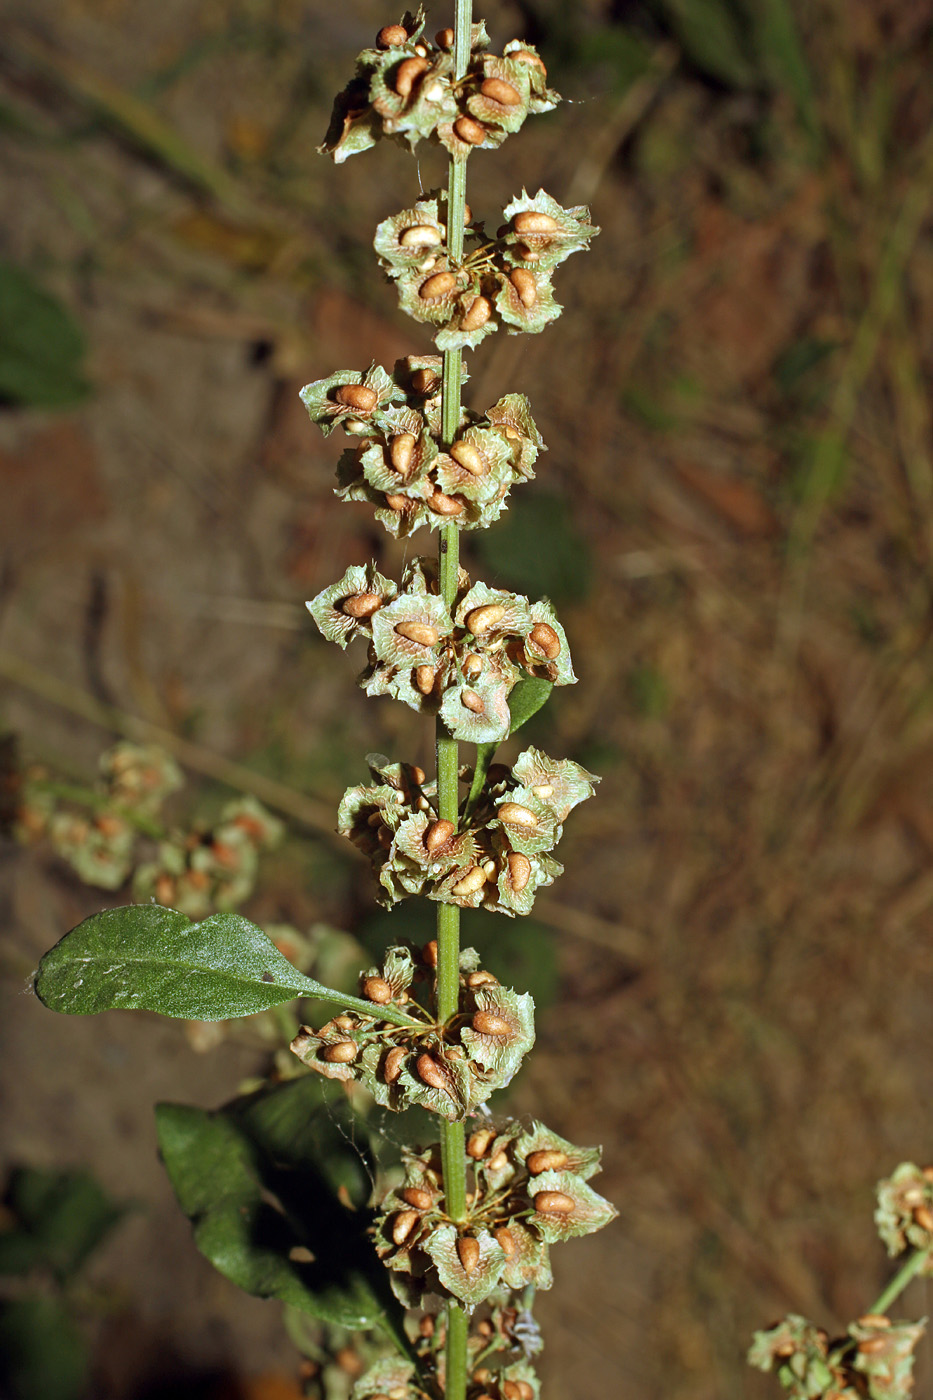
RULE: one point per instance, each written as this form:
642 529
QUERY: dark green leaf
41 346
42 1354
258 1187
63 1217
526 699
146 958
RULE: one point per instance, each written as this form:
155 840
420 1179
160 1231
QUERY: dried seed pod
514 814
525 285
391 36
477 314
403 1224
401 450
924 1218
468 1253
482 620
378 990
545 639
424 679
445 505
505 1240
473 880
468 456
418 1198
500 91
554 1203
481 978
439 285
471 701
470 131
534 221
488 1023
421 632
444 38
478 1142
425 381
519 871
408 73
392 1066
438 834
430 1072
421 236
343 1052
362 604
402 503
358 396
548 1159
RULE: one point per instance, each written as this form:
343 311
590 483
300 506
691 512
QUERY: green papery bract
569 784
501 1055
899 1196
460 150
542 98
497 476
888 1358
336 625
572 234
470 1288
326 412
414 610
514 621
544 871
390 1376
559 670
530 1263
511 415
528 319
470 725
590 1211
415 115
526 837
584 1162
488 110
399 256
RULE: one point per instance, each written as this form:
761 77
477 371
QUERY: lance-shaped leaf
146 958
260 1184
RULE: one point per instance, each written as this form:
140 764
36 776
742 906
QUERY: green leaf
259 1182
41 346
526 698
63 1217
143 957
42 1354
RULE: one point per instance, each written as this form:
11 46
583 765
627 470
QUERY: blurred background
735 520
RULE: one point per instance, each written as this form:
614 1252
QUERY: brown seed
420 632
345 1023
468 1253
429 953
439 284
499 1162
391 36
438 834
510 1390
473 880
525 285
472 666
871 1346
418 774
415 1196
344 1052
425 381
519 871
384 836
484 619
430 1072
377 989
393 1064
488 1023
361 604
426 1327
482 978
471 133
514 814
533 221
402 1225
467 214
528 255
472 460
547 1159
924 1218
455 1052
554 1203
478 1142
490 868
874 1320
543 790
505 1240
928 1173
525 1390
401 450
471 701
358 396
402 503
476 315
524 56
444 38
545 639
424 679
420 236
408 73
349 1361
500 91
445 505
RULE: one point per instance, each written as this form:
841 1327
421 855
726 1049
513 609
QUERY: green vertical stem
453 1152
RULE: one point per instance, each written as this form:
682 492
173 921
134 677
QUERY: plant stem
453 1153
899 1282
